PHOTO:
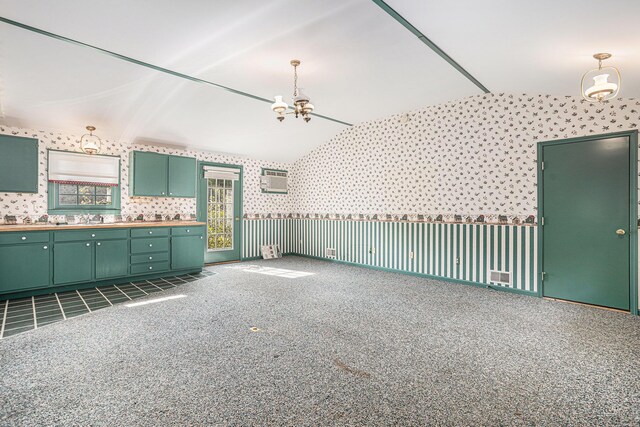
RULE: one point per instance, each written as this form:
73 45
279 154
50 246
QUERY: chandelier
302 105
89 143
602 89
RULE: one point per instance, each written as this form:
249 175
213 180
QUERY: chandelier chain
295 81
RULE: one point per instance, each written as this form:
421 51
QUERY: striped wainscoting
465 252
259 232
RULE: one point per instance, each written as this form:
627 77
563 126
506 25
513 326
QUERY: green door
112 259
24 267
150 174
586 211
220 206
182 176
72 262
187 252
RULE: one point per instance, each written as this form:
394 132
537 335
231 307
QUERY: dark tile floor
25 314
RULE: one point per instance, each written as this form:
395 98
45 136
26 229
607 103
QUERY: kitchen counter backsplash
34 206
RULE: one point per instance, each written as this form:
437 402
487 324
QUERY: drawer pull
99 243
93 235
151 232
200 237
150 245
45 247
88 244
24 238
188 231
150 257
150 268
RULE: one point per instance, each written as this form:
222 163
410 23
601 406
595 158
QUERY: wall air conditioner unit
500 277
274 181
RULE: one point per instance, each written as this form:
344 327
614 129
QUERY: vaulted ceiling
358 63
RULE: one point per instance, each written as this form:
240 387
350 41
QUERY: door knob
620 232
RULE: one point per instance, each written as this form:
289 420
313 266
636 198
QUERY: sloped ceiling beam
151 66
424 39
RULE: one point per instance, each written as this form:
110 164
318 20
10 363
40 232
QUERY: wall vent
330 253
500 277
274 181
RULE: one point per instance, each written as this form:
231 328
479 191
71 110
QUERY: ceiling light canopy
302 105
90 143
601 84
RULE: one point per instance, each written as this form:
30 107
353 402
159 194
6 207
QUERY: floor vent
330 253
500 277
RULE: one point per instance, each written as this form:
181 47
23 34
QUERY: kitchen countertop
45 227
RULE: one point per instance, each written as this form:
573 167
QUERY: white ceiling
357 63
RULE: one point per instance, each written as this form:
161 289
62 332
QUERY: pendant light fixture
302 105
90 143
601 84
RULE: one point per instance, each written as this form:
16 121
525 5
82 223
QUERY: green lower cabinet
187 252
72 262
24 267
112 259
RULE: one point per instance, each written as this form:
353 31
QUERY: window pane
86 189
103 200
103 191
87 200
68 200
68 189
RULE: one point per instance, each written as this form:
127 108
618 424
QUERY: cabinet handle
188 231
150 257
93 235
24 237
88 244
150 268
151 232
162 193
171 194
200 237
99 243
150 245
45 247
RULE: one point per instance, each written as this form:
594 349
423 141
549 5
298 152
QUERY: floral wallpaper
35 205
459 161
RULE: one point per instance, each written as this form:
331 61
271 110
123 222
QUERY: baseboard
427 276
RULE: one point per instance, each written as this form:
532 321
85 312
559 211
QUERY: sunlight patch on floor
271 271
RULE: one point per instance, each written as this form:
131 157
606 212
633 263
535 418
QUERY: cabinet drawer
25 237
150 267
146 258
198 230
149 244
89 234
149 232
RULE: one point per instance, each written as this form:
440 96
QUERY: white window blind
214 172
76 168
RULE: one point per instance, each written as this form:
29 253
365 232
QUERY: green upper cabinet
182 176
18 164
160 175
149 175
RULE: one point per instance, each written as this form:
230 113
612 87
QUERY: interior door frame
633 208
202 204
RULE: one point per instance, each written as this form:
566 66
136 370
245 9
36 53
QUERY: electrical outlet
372 251
411 255
457 260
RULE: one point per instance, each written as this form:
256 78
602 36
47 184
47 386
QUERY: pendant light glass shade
601 84
90 143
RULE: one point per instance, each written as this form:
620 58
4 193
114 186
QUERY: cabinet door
24 267
72 262
18 164
187 252
150 173
182 176
112 259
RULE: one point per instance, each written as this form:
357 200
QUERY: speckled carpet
344 346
